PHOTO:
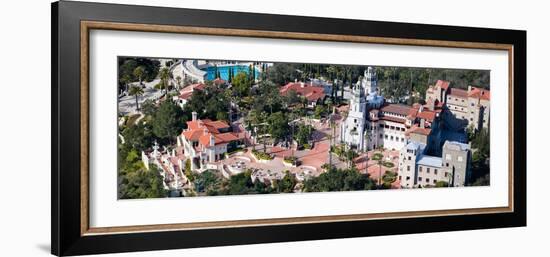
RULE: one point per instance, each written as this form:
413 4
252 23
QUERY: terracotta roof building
185 93
206 141
310 91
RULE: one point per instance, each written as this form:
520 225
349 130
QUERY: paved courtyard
127 104
365 164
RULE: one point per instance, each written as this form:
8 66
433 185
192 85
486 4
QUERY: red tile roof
215 127
480 93
426 115
307 90
185 95
187 92
192 135
195 124
202 130
457 92
417 130
225 137
218 81
205 139
397 109
442 84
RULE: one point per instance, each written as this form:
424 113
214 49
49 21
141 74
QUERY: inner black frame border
66 238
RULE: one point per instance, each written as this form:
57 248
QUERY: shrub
262 155
441 184
377 156
292 160
388 164
389 177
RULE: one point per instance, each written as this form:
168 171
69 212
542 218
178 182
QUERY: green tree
261 187
142 183
240 184
139 73
287 183
167 121
138 137
339 180
292 97
127 65
136 91
278 125
165 77
319 111
178 80
125 80
303 134
242 84
208 182
282 73
148 107
350 156
188 171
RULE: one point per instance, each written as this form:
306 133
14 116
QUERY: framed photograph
178 128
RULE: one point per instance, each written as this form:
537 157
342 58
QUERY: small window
427 170
435 171
420 169
408 178
435 181
427 180
409 158
408 168
419 179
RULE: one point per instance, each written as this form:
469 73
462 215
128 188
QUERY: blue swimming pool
224 70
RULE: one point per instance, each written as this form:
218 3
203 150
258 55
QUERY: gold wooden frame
86 26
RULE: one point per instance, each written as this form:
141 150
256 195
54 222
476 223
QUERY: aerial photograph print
194 127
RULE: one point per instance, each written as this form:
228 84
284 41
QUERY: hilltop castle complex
430 137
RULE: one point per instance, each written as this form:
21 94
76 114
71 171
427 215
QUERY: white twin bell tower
364 96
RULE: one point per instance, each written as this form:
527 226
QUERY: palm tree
136 91
228 93
178 80
139 71
350 155
125 80
380 162
164 77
